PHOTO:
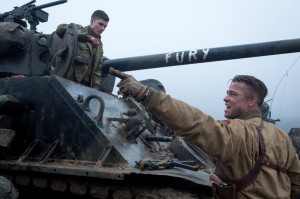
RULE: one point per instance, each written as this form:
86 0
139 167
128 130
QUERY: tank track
56 186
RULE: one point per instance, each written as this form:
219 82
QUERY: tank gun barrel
203 55
49 5
28 4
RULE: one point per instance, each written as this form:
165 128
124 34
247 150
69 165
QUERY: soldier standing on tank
86 68
237 143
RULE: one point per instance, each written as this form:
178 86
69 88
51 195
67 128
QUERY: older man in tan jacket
234 142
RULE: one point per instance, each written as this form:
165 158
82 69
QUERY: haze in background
140 27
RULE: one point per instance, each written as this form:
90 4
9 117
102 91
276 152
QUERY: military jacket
235 145
87 65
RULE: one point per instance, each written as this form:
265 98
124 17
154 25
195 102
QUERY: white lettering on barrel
168 56
205 53
177 58
192 53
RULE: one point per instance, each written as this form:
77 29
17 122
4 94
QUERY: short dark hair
100 14
256 87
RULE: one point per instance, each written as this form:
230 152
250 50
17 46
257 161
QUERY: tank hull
69 137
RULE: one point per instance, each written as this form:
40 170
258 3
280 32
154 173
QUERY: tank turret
24 51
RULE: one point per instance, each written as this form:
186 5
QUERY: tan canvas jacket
235 145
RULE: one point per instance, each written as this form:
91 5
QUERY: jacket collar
249 115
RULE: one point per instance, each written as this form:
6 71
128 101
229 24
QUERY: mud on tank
60 139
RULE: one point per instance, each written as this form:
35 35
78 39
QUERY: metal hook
86 107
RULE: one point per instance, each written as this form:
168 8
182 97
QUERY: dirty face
236 101
98 25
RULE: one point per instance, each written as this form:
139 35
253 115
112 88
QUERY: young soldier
86 68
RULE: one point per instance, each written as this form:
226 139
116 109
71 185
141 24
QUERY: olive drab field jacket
235 144
87 65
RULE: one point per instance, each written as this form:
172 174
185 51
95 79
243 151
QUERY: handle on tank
86 107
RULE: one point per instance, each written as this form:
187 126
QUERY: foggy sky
140 27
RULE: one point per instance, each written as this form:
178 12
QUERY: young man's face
235 101
98 26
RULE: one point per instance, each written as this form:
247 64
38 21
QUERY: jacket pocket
83 54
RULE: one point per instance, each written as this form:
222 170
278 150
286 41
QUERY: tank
60 139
